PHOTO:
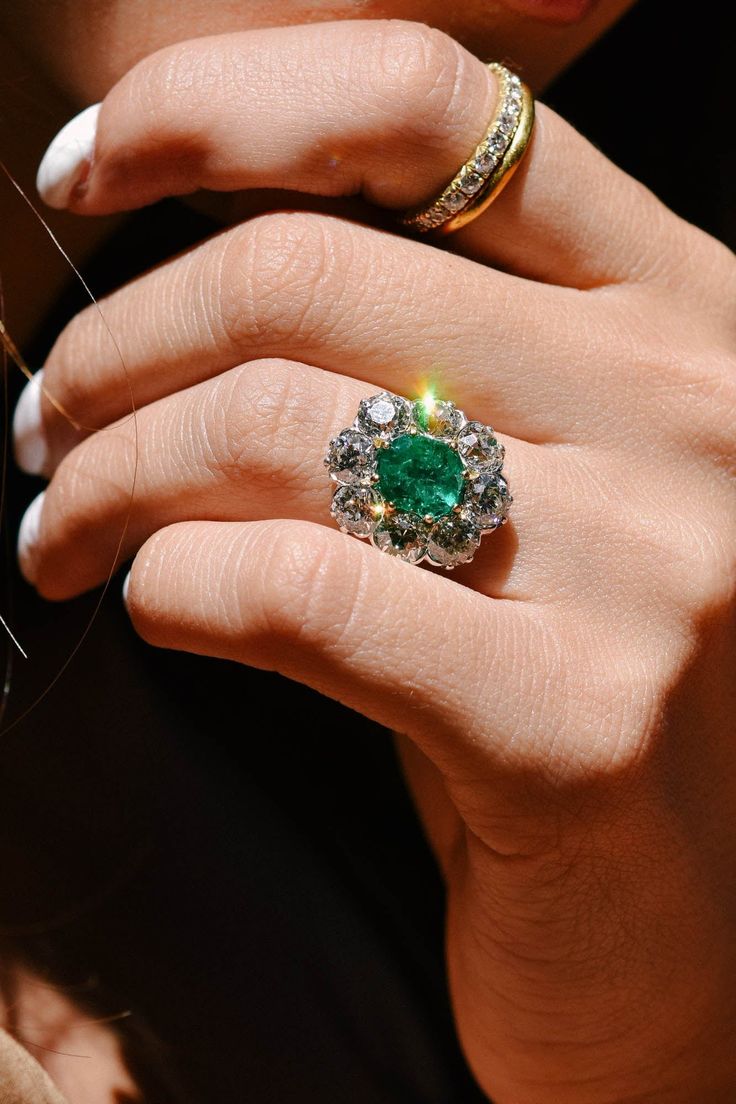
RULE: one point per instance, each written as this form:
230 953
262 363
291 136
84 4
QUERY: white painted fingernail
29 440
68 158
126 584
28 537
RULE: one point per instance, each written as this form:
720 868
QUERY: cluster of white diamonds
359 508
484 162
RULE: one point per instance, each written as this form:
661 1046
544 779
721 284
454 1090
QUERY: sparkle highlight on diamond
418 479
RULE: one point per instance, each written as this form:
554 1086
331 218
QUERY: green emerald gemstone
420 475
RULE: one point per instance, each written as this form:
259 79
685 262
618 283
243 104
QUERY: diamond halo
418 479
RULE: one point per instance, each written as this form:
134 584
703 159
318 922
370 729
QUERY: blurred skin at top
84 47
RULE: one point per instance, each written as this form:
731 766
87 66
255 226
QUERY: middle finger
344 297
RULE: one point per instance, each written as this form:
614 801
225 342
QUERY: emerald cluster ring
418 479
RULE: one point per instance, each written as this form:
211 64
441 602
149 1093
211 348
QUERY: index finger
385 109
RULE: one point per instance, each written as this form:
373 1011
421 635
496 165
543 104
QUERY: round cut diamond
485 160
384 415
356 509
402 535
479 447
470 181
454 200
352 457
453 540
440 419
487 499
420 475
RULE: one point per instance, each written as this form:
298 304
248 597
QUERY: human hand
568 698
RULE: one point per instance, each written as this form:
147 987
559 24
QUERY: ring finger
247 446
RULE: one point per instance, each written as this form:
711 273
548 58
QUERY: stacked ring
489 168
418 479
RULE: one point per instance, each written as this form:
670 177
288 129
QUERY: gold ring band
490 166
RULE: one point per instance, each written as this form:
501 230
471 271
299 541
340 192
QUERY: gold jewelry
490 166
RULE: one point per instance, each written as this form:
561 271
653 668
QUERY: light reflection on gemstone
384 414
453 540
487 499
356 509
440 419
479 448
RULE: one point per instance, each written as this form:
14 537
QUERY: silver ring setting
418 479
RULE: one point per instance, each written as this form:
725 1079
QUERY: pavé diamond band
490 166
418 479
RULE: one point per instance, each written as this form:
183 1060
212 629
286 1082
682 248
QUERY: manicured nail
126 584
29 440
67 160
28 537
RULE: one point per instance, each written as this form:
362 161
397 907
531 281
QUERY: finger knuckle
300 601
422 74
150 583
701 392
98 471
262 415
687 379
703 584
713 384
717 262
687 562
72 366
615 697
276 276
87 499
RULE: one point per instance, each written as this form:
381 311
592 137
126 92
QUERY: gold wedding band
489 168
